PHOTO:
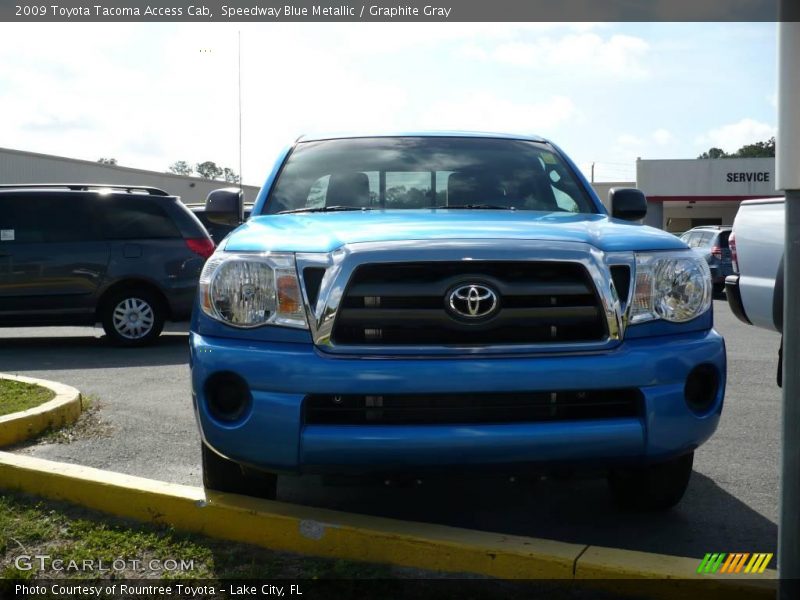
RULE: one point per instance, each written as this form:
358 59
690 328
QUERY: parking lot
149 430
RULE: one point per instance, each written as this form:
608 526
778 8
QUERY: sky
150 94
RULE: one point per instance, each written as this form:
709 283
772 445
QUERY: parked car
711 241
450 302
755 290
126 256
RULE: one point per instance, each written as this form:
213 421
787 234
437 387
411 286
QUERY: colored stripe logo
734 563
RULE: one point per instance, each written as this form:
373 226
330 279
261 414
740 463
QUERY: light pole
788 180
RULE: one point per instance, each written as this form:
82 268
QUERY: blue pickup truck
407 304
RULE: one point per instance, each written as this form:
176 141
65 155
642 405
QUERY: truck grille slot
621 275
312 278
406 304
421 409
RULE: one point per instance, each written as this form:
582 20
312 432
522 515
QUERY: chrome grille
540 302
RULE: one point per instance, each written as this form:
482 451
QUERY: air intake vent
520 407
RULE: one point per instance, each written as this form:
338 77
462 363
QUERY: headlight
674 286
250 290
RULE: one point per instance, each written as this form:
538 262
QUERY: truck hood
325 232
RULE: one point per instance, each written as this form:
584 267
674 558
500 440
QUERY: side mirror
225 207
628 204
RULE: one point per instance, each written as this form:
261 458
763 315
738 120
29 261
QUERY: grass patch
16 396
62 531
30 527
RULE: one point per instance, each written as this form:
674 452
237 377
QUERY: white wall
706 177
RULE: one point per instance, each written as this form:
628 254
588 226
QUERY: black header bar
244 11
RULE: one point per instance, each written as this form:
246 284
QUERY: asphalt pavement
731 504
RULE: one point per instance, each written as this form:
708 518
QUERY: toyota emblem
472 301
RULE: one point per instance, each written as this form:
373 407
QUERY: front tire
225 475
133 317
656 487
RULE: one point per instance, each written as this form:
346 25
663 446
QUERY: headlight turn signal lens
674 286
250 290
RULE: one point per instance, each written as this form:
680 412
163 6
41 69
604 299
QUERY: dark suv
76 254
712 242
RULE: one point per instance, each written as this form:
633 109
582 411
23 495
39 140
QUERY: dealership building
17 166
681 194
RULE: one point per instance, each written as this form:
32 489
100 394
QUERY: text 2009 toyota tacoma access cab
400 304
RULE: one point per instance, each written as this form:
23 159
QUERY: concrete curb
65 408
326 533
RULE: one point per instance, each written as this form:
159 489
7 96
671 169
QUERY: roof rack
84 187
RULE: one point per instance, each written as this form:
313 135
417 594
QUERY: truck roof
768 200
468 134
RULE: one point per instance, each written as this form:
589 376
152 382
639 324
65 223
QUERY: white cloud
485 111
589 53
662 137
733 136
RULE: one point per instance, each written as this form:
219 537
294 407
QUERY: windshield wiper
323 209
476 207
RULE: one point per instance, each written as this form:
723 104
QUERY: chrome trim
341 263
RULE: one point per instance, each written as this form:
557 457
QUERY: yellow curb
65 408
292 528
327 533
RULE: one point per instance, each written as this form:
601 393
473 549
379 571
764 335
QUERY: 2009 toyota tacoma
407 303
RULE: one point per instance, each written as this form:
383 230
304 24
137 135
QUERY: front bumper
272 434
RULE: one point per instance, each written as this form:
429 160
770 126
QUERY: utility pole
592 172
788 180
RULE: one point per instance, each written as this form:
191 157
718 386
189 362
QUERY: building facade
17 166
682 194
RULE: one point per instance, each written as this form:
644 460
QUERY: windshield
426 172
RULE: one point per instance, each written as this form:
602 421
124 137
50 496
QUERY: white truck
755 290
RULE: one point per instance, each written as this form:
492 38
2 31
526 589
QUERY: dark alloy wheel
224 475
655 487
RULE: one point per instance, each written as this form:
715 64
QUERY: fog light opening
701 388
227 396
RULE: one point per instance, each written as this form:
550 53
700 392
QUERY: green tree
181 167
756 150
229 175
208 170
714 153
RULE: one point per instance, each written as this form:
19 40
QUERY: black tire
133 317
224 475
719 290
651 488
